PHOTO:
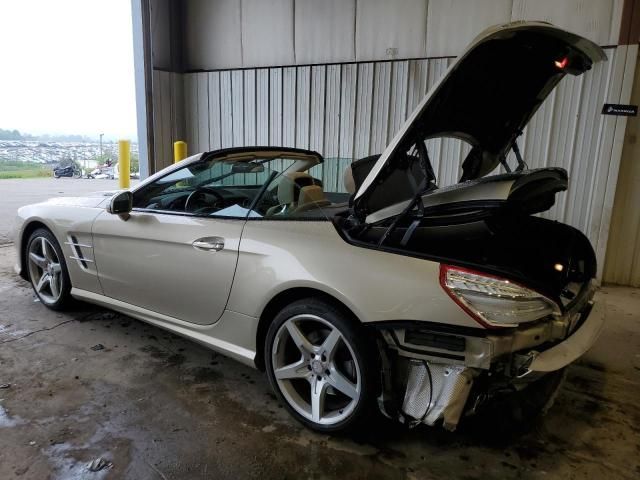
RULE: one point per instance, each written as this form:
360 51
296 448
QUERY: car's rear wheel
321 365
47 270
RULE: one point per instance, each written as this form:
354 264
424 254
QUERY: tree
108 157
135 163
10 135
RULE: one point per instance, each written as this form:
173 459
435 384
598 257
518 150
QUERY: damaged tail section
435 376
435 392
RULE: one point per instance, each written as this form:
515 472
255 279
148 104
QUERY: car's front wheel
321 365
47 270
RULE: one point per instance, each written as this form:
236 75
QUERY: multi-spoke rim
44 270
316 369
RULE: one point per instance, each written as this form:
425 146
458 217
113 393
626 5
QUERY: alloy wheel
316 369
45 270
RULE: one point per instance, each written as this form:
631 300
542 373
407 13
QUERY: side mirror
121 204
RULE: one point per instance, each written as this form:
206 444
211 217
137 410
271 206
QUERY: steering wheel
199 191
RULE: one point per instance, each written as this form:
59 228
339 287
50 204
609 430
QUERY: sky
66 67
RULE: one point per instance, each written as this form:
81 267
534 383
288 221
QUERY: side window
210 188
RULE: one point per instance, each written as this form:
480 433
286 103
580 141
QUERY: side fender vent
78 254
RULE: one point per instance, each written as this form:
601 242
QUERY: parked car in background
430 302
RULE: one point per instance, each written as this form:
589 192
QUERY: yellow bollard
179 151
124 163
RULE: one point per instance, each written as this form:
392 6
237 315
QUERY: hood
486 98
90 200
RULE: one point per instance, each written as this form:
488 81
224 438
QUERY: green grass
12 169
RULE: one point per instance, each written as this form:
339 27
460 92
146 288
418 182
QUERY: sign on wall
619 109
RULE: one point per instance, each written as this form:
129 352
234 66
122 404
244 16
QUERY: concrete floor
159 407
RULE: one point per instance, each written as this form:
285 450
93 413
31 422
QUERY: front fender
25 222
68 224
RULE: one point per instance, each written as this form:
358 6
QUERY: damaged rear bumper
439 368
576 345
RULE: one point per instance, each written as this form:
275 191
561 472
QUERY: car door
167 258
176 265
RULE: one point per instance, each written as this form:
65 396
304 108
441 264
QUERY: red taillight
494 301
444 269
562 63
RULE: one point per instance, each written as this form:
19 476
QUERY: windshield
213 187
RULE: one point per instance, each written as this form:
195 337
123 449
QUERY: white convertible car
429 302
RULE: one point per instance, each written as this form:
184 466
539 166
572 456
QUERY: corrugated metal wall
343 111
623 251
264 33
169 113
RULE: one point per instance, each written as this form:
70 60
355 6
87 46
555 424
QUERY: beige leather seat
311 197
289 188
349 182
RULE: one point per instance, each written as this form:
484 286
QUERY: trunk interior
550 257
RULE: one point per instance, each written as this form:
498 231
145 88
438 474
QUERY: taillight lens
494 301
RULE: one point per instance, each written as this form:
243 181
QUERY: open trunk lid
486 98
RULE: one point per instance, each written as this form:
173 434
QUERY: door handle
209 244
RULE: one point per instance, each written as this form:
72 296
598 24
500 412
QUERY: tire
338 359
47 269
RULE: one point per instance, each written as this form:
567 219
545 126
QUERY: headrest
290 185
347 179
311 194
